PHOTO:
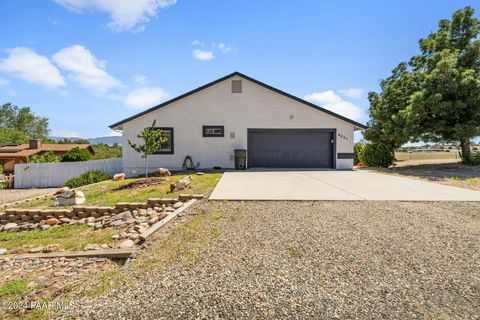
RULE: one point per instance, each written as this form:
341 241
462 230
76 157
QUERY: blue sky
86 64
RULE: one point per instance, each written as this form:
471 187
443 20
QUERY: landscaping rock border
27 219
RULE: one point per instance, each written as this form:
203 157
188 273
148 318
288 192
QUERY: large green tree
14 119
436 96
387 123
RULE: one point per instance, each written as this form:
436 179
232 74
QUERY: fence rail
46 175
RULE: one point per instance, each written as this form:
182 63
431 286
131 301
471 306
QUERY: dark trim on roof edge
236 73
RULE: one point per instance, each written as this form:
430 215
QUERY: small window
213 131
167 146
236 86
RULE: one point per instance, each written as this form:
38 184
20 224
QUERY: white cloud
124 14
333 102
4 82
84 68
224 48
203 55
355 93
325 97
66 134
198 43
32 67
143 95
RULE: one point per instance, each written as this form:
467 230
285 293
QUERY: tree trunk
465 147
146 166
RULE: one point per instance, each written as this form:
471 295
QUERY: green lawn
67 237
102 193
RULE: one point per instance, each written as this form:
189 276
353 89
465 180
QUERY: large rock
161 172
177 205
67 197
3 251
180 184
119 176
52 221
11 226
126 244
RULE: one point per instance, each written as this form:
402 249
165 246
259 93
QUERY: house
278 130
12 154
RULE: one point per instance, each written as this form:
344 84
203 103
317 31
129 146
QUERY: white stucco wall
255 107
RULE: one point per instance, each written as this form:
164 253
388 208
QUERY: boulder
68 198
11 226
36 250
162 172
126 244
180 184
52 221
3 251
117 224
119 176
90 220
177 205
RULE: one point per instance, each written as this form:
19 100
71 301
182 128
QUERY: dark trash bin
240 159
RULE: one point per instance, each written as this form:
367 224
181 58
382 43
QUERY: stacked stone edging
79 212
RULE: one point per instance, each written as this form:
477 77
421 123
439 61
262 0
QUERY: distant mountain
107 140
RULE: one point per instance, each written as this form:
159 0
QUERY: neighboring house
237 112
12 154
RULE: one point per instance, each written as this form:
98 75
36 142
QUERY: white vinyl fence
46 175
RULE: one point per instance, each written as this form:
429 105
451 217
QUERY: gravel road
12 195
311 260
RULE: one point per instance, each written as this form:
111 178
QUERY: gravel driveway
12 195
311 260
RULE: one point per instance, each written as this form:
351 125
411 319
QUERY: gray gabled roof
236 73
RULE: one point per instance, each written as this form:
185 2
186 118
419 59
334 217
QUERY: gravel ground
311 260
12 195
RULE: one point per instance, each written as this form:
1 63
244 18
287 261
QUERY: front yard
102 194
77 237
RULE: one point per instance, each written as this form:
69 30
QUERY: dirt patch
13 195
139 184
447 172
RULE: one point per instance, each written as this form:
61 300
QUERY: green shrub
358 150
376 155
89 177
472 159
47 157
76 154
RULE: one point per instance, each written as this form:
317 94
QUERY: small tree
152 141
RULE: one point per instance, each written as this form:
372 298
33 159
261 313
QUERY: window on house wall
236 86
213 131
167 146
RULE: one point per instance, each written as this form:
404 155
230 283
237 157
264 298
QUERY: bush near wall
358 150
376 155
89 177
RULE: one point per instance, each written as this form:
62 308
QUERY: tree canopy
17 124
436 95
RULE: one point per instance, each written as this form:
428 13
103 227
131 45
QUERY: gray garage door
290 148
